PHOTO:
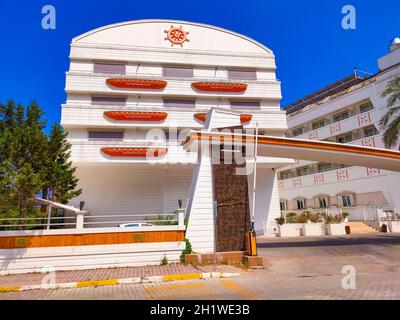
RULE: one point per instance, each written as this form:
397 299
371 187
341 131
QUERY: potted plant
345 216
313 225
289 229
335 225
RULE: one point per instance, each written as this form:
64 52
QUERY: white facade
346 112
144 50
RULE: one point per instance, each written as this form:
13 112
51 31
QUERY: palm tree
390 122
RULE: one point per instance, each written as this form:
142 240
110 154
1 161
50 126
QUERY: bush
315 217
164 261
303 217
345 214
187 250
162 220
334 219
291 217
280 220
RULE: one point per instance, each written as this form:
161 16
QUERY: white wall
267 200
131 189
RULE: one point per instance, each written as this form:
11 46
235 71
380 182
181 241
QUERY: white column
49 207
181 219
80 215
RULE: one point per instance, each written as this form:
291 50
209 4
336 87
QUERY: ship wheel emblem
176 35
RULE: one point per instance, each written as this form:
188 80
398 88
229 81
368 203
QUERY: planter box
394 226
336 229
290 230
313 229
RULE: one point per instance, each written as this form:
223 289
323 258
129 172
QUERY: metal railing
74 218
139 219
33 223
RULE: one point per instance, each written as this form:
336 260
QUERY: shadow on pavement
343 241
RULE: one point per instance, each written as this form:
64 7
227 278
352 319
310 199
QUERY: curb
113 282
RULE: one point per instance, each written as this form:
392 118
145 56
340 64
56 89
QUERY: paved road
297 268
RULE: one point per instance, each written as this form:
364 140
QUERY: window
114 68
322 202
366 107
285 174
106 135
303 171
283 205
179 103
347 200
340 116
300 204
344 139
254 105
319 124
298 131
109 101
242 74
370 131
178 72
322 167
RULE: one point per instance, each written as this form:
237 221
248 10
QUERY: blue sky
311 47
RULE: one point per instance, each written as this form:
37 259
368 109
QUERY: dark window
109 68
113 101
178 72
347 201
303 171
297 131
106 135
300 204
242 74
285 174
255 105
322 167
341 116
345 139
370 131
322 202
319 124
366 107
179 103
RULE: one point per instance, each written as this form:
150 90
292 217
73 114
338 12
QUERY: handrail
58 205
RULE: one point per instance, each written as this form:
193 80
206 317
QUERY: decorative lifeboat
136 115
126 83
219 86
243 117
140 152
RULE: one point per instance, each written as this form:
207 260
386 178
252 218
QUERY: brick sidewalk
112 273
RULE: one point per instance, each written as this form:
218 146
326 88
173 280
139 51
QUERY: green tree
390 122
60 181
32 162
23 146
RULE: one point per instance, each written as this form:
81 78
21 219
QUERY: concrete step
359 227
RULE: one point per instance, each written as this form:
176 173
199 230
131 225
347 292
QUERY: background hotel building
128 78
347 111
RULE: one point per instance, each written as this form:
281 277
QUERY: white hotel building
347 111
128 78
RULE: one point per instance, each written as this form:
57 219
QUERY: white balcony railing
89 82
333 176
80 115
373 141
336 128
